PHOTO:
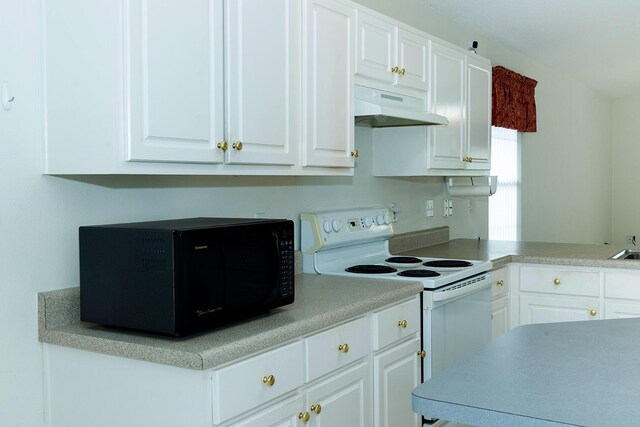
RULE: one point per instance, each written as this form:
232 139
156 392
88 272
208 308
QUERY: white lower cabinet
549 309
326 379
395 373
342 399
549 294
500 302
282 414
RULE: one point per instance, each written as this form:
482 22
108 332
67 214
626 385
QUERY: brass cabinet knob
556 282
223 145
422 354
316 408
237 145
304 416
470 159
465 159
395 69
402 71
593 313
343 348
402 323
500 283
269 380
355 153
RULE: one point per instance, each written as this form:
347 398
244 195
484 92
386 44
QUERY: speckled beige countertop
503 252
321 302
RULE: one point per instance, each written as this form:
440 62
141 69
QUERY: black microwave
182 276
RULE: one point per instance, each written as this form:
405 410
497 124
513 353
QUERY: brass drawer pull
304 416
402 323
343 348
269 380
316 408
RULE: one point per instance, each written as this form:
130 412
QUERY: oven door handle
482 282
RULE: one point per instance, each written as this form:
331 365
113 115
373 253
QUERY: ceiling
597 41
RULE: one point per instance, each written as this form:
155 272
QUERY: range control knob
379 220
387 219
368 221
337 225
326 226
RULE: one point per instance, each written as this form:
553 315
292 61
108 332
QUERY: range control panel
330 229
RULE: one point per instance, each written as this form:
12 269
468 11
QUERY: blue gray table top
574 373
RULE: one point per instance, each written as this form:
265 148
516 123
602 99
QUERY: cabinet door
282 414
328 69
549 309
413 59
478 114
447 99
344 399
615 310
396 373
262 77
376 48
175 88
499 317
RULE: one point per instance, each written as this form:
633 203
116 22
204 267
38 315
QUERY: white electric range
456 301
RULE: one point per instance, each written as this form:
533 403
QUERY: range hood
379 108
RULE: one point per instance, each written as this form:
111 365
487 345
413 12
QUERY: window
504 206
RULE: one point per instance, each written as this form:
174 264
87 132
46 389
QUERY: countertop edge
76 334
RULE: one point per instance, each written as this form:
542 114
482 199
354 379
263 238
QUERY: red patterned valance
514 103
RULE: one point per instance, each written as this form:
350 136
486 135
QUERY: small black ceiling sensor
473 45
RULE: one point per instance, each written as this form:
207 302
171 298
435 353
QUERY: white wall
39 215
626 152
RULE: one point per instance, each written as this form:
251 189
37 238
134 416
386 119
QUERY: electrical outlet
428 208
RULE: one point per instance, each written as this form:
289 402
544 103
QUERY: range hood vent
378 108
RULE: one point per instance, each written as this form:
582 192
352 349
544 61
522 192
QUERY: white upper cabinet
391 55
478 113
413 60
200 87
460 90
328 69
446 143
262 81
174 85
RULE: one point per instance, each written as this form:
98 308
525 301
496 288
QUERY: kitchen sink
627 254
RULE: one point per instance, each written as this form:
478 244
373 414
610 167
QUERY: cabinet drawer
560 281
395 323
326 351
622 285
500 278
244 385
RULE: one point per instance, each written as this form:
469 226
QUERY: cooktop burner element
370 269
419 273
448 263
403 260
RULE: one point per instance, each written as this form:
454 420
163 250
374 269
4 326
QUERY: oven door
456 322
